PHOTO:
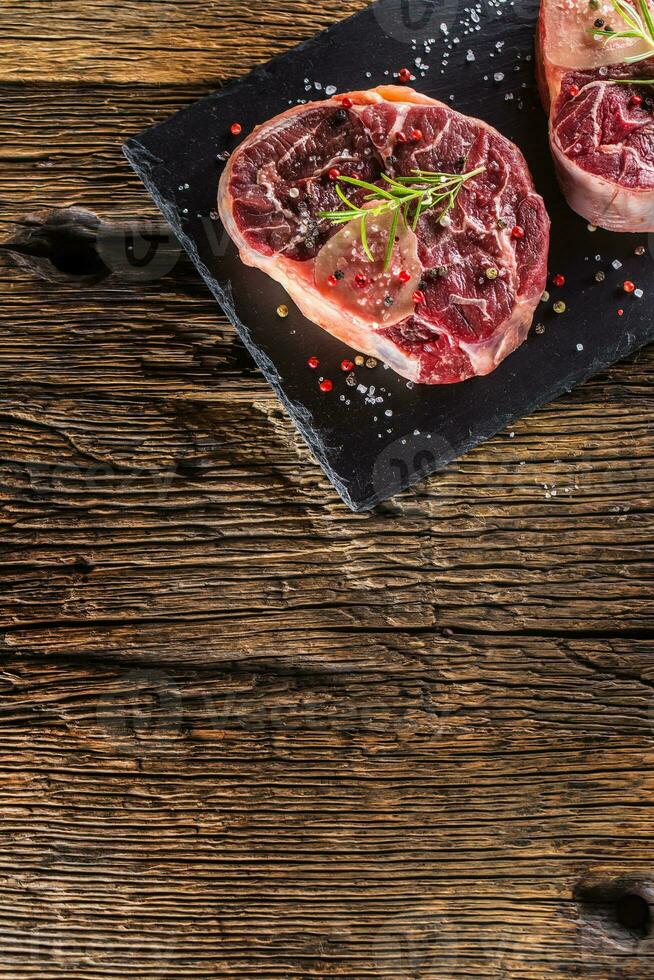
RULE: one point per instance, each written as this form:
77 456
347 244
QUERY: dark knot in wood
75 245
618 909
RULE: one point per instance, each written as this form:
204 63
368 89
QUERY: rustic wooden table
246 732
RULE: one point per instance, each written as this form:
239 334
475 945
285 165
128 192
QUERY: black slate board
368 454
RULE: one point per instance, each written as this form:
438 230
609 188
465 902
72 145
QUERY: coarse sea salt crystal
580 347
617 264
638 293
470 55
330 89
498 76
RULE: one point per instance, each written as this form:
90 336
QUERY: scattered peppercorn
282 310
326 385
371 362
404 75
359 360
400 137
558 279
418 297
347 365
313 362
539 328
331 280
491 272
636 100
573 91
340 116
333 173
346 102
628 286
403 275
500 223
639 250
235 129
600 276
517 232
559 306
416 135
599 22
360 280
388 300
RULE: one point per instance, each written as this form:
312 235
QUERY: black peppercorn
599 22
340 116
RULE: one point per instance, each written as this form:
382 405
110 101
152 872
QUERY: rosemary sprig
405 197
638 18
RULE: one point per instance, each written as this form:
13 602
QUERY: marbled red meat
602 138
282 177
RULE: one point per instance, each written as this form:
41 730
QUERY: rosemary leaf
364 237
390 244
375 190
647 17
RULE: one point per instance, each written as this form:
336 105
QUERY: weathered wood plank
297 823
152 40
247 733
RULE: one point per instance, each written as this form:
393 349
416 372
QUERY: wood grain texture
180 41
245 732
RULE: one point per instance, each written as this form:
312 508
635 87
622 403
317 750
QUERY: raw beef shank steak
458 294
601 129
